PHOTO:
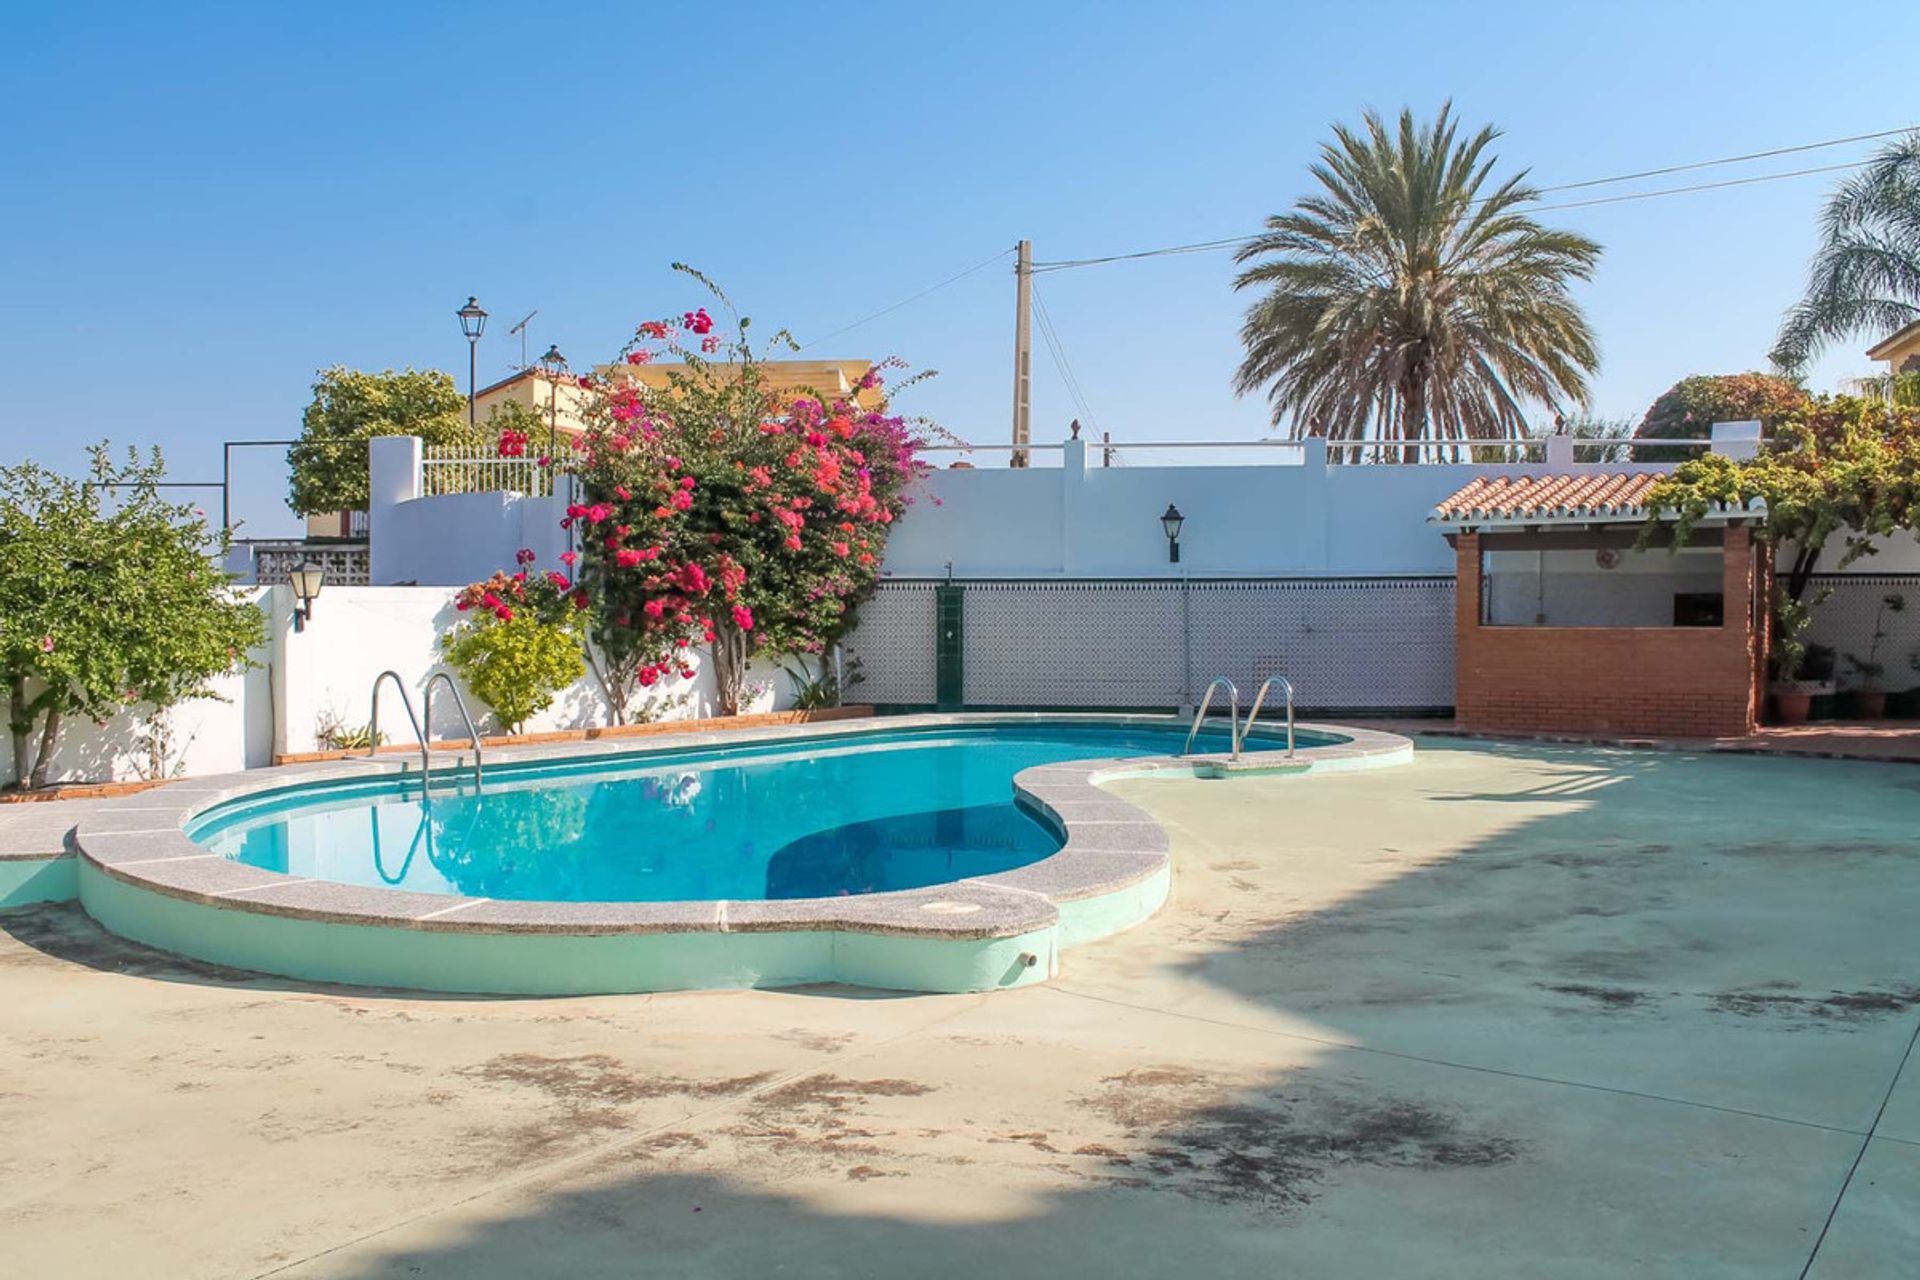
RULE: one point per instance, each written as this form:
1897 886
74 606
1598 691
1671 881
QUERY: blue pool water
860 813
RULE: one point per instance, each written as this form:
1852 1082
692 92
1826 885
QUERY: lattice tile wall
1343 642
894 643
1845 620
1347 642
1074 644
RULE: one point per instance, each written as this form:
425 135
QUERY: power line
1227 242
1701 186
1708 164
935 288
1058 350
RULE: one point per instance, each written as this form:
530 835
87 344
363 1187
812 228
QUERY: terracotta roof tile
1549 498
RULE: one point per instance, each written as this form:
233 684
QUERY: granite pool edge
1113 871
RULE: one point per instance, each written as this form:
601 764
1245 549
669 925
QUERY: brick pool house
1563 626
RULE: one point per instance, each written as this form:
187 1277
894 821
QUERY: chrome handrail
1253 712
373 721
460 705
1233 716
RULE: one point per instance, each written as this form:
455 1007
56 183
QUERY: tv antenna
521 329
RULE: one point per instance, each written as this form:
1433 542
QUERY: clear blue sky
203 204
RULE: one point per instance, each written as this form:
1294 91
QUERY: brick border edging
706 724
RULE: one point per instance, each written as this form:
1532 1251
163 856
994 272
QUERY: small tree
519 643
108 600
1844 467
1688 409
349 408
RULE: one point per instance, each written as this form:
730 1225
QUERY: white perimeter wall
354 635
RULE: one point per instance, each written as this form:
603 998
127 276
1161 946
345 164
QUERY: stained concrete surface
1506 1012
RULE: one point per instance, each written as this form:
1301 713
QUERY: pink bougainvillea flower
682 501
568 557
743 617
698 321
841 548
620 491
626 557
46 644
709 344
584 380
524 556
639 357
504 614
793 542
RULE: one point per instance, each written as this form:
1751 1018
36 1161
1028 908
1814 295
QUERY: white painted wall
1305 518
230 731
358 632
452 540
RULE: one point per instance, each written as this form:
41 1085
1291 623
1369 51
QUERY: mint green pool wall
141 877
26 881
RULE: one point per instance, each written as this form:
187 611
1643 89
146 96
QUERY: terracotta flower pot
1791 706
1869 704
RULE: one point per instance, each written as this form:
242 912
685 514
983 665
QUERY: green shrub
518 644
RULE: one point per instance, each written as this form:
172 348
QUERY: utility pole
1022 350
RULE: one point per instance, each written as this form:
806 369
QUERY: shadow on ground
1548 1011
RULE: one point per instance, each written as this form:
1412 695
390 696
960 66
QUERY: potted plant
1904 704
1870 697
1799 671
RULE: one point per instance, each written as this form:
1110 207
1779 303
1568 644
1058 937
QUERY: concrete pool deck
1509 1011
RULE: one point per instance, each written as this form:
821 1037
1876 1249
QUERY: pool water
860 813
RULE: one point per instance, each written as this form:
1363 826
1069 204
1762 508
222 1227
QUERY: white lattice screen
894 643
1344 642
1845 620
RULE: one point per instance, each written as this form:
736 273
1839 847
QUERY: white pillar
394 476
1073 497
1736 439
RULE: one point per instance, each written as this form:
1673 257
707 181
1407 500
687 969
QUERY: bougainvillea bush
717 513
517 643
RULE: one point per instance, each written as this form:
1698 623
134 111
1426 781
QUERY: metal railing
1253 712
1425 450
445 471
373 721
1233 716
460 705
420 735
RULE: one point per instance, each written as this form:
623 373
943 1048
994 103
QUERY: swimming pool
877 813
918 853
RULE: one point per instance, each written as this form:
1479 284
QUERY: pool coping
1110 845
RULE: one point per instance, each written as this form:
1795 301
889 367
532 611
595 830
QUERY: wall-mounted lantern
1171 522
306 582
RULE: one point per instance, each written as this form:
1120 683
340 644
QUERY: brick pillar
1466 622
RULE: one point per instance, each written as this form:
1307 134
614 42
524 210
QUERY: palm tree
1865 276
1402 303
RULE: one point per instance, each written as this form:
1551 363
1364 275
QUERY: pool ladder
1236 731
420 736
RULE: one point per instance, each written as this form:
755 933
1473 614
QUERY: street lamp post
473 323
555 364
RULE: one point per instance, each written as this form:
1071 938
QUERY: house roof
1879 350
1600 498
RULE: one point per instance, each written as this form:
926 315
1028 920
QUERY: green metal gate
949 631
